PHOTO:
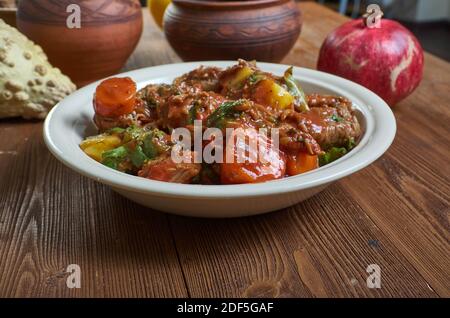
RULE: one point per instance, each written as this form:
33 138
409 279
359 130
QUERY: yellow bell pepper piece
240 76
95 146
269 93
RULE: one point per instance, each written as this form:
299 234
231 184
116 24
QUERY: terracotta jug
264 30
108 34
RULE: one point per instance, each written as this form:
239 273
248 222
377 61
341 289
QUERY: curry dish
135 126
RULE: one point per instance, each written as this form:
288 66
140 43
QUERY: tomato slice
165 169
115 97
162 171
269 164
301 162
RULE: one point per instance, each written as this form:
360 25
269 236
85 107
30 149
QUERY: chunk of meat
105 123
140 116
202 78
182 110
292 140
317 100
164 169
331 121
154 95
172 106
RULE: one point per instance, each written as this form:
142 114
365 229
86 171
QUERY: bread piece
29 85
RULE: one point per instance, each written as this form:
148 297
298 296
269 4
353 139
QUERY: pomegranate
387 60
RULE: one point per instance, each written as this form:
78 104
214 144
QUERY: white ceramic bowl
71 120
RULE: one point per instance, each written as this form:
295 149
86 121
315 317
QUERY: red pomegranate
387 60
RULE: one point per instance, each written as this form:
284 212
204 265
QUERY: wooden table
394 213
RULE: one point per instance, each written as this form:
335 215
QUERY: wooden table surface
394 213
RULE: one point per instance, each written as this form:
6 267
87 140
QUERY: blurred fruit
157 9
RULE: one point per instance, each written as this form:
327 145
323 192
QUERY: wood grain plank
320 247
234 258
421 237
51 217
407 192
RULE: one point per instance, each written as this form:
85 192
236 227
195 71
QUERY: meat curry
135 126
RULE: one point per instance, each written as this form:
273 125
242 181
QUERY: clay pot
8 15
264 30
109 33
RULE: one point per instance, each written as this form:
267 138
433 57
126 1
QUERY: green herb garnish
151 102
351 143
112 158
255 78
222 113
132 133
137 156
331 155
149 147
335 153
116 130
337 118
295 90
139 146
193 113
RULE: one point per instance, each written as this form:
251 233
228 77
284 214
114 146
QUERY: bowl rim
379 134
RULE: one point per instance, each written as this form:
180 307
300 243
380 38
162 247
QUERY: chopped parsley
337 118
351 143
331 155
138 147
255 78
112 158
222 113
137 156
148 147
193 113
335 153
116 130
